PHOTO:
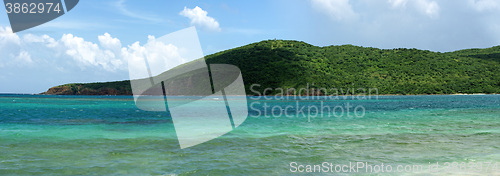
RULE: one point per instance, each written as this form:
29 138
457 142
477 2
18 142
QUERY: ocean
109 135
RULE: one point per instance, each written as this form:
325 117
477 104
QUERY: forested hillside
277 63
293 64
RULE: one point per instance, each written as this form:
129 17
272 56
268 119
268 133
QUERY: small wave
18 130
483 133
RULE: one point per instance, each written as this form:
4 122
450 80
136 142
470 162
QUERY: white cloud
335 9
7 36
90 53
160 56
426 7
430 8
9 46
70 51
109 42
398 3
484 5
200 18
24 58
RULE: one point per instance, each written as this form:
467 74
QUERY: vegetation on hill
107 88
293 64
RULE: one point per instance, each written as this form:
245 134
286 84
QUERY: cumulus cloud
8 36
200 18
34 49
430 8
90 53
398 3
335 9
69 51
160 57
484 5
109 42
426 7
44 40
9 46
24 58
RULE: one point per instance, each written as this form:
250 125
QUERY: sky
91 42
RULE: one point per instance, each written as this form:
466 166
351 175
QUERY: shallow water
106 135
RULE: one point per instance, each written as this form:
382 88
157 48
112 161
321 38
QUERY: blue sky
84 45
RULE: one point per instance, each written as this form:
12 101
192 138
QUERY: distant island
294 64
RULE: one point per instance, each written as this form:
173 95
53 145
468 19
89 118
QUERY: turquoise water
106 135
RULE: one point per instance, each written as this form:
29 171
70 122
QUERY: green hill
293 64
